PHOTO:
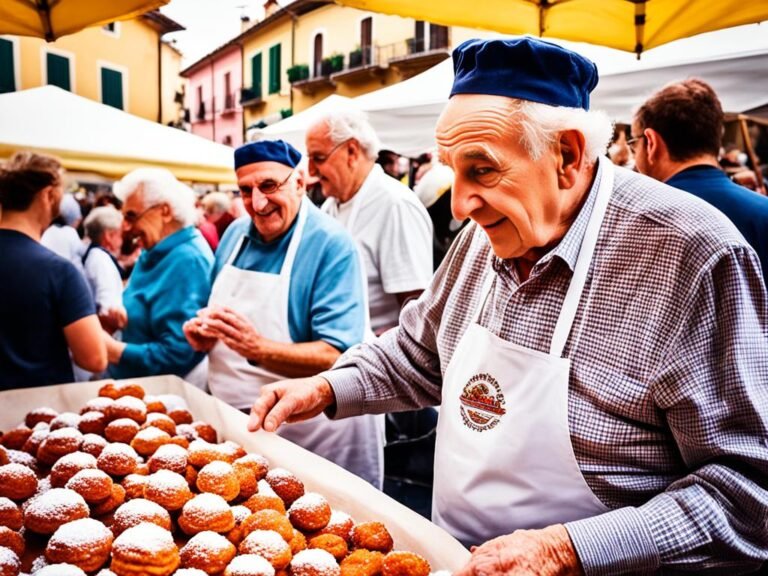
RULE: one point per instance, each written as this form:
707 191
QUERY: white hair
348 123
100 220
540 125
218 201
159 186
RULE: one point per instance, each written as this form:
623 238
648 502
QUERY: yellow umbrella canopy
51 19
629 25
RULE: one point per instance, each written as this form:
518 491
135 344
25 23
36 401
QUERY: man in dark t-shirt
46 308
40 294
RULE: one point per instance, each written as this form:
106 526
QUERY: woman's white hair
348 123
100 220
540 124
159 187
216 201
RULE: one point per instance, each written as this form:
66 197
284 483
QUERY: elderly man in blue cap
287 300
598 342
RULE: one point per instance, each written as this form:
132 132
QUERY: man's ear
301 179
655 147
569 151
166 213
354 150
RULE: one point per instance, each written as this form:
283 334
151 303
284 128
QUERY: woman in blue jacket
170 282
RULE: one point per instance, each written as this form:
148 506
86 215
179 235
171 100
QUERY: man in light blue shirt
287 300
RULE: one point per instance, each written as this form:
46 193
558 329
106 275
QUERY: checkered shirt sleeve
668 404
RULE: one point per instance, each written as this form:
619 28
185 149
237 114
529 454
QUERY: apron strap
584 260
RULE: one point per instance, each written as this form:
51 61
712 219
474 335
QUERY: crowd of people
596 337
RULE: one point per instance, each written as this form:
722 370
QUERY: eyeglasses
266 187
131 217
320 159
632 142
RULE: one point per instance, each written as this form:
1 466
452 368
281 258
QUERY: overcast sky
211 23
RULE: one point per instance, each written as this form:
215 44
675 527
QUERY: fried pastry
13 540
340 524
10 514
331 543
146 441
10 565
92 423
45 513
372 536
42 414
207 551
405 564
118 459
268 520
85 543
268 544
59 443
362 563
169 457
127 407
65 420
285 484
69 465
93 444
206 512
314 563
264 502
168 489
145 549
121 430
134 486
249 565
92 484
116 498
17 481
310 512
117 390
218 478
162 421
139 510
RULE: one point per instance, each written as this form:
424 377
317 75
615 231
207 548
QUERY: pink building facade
213 98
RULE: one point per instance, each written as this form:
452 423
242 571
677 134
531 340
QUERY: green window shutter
7 72
112 88
256 74
274 69
58 71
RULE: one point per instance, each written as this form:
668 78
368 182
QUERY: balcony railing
200 111
251 96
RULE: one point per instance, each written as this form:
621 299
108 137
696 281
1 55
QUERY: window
317 69
256 75
366 39
112 88
7 67
274 69
229 99
112 29
57 68
438 37
109 27
418 38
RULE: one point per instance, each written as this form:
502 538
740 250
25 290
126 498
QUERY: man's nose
312 168
464 201
259 201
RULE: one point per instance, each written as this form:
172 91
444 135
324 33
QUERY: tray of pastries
154 477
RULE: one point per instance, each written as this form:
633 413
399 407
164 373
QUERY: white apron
261 297
503 457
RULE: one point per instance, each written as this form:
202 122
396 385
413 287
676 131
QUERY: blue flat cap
267 151
524 68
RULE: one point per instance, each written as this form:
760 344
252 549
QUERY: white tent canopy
92 137
405 114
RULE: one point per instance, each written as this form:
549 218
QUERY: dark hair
24 176
688 116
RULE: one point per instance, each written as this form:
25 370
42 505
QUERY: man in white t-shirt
392 229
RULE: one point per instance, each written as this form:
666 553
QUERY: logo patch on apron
481 403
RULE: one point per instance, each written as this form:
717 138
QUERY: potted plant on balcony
356 58
298 73
337 62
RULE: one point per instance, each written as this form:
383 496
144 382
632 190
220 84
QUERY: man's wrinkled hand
194 331
290 401
545 552
235 330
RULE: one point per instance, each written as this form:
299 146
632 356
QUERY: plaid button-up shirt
668 392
